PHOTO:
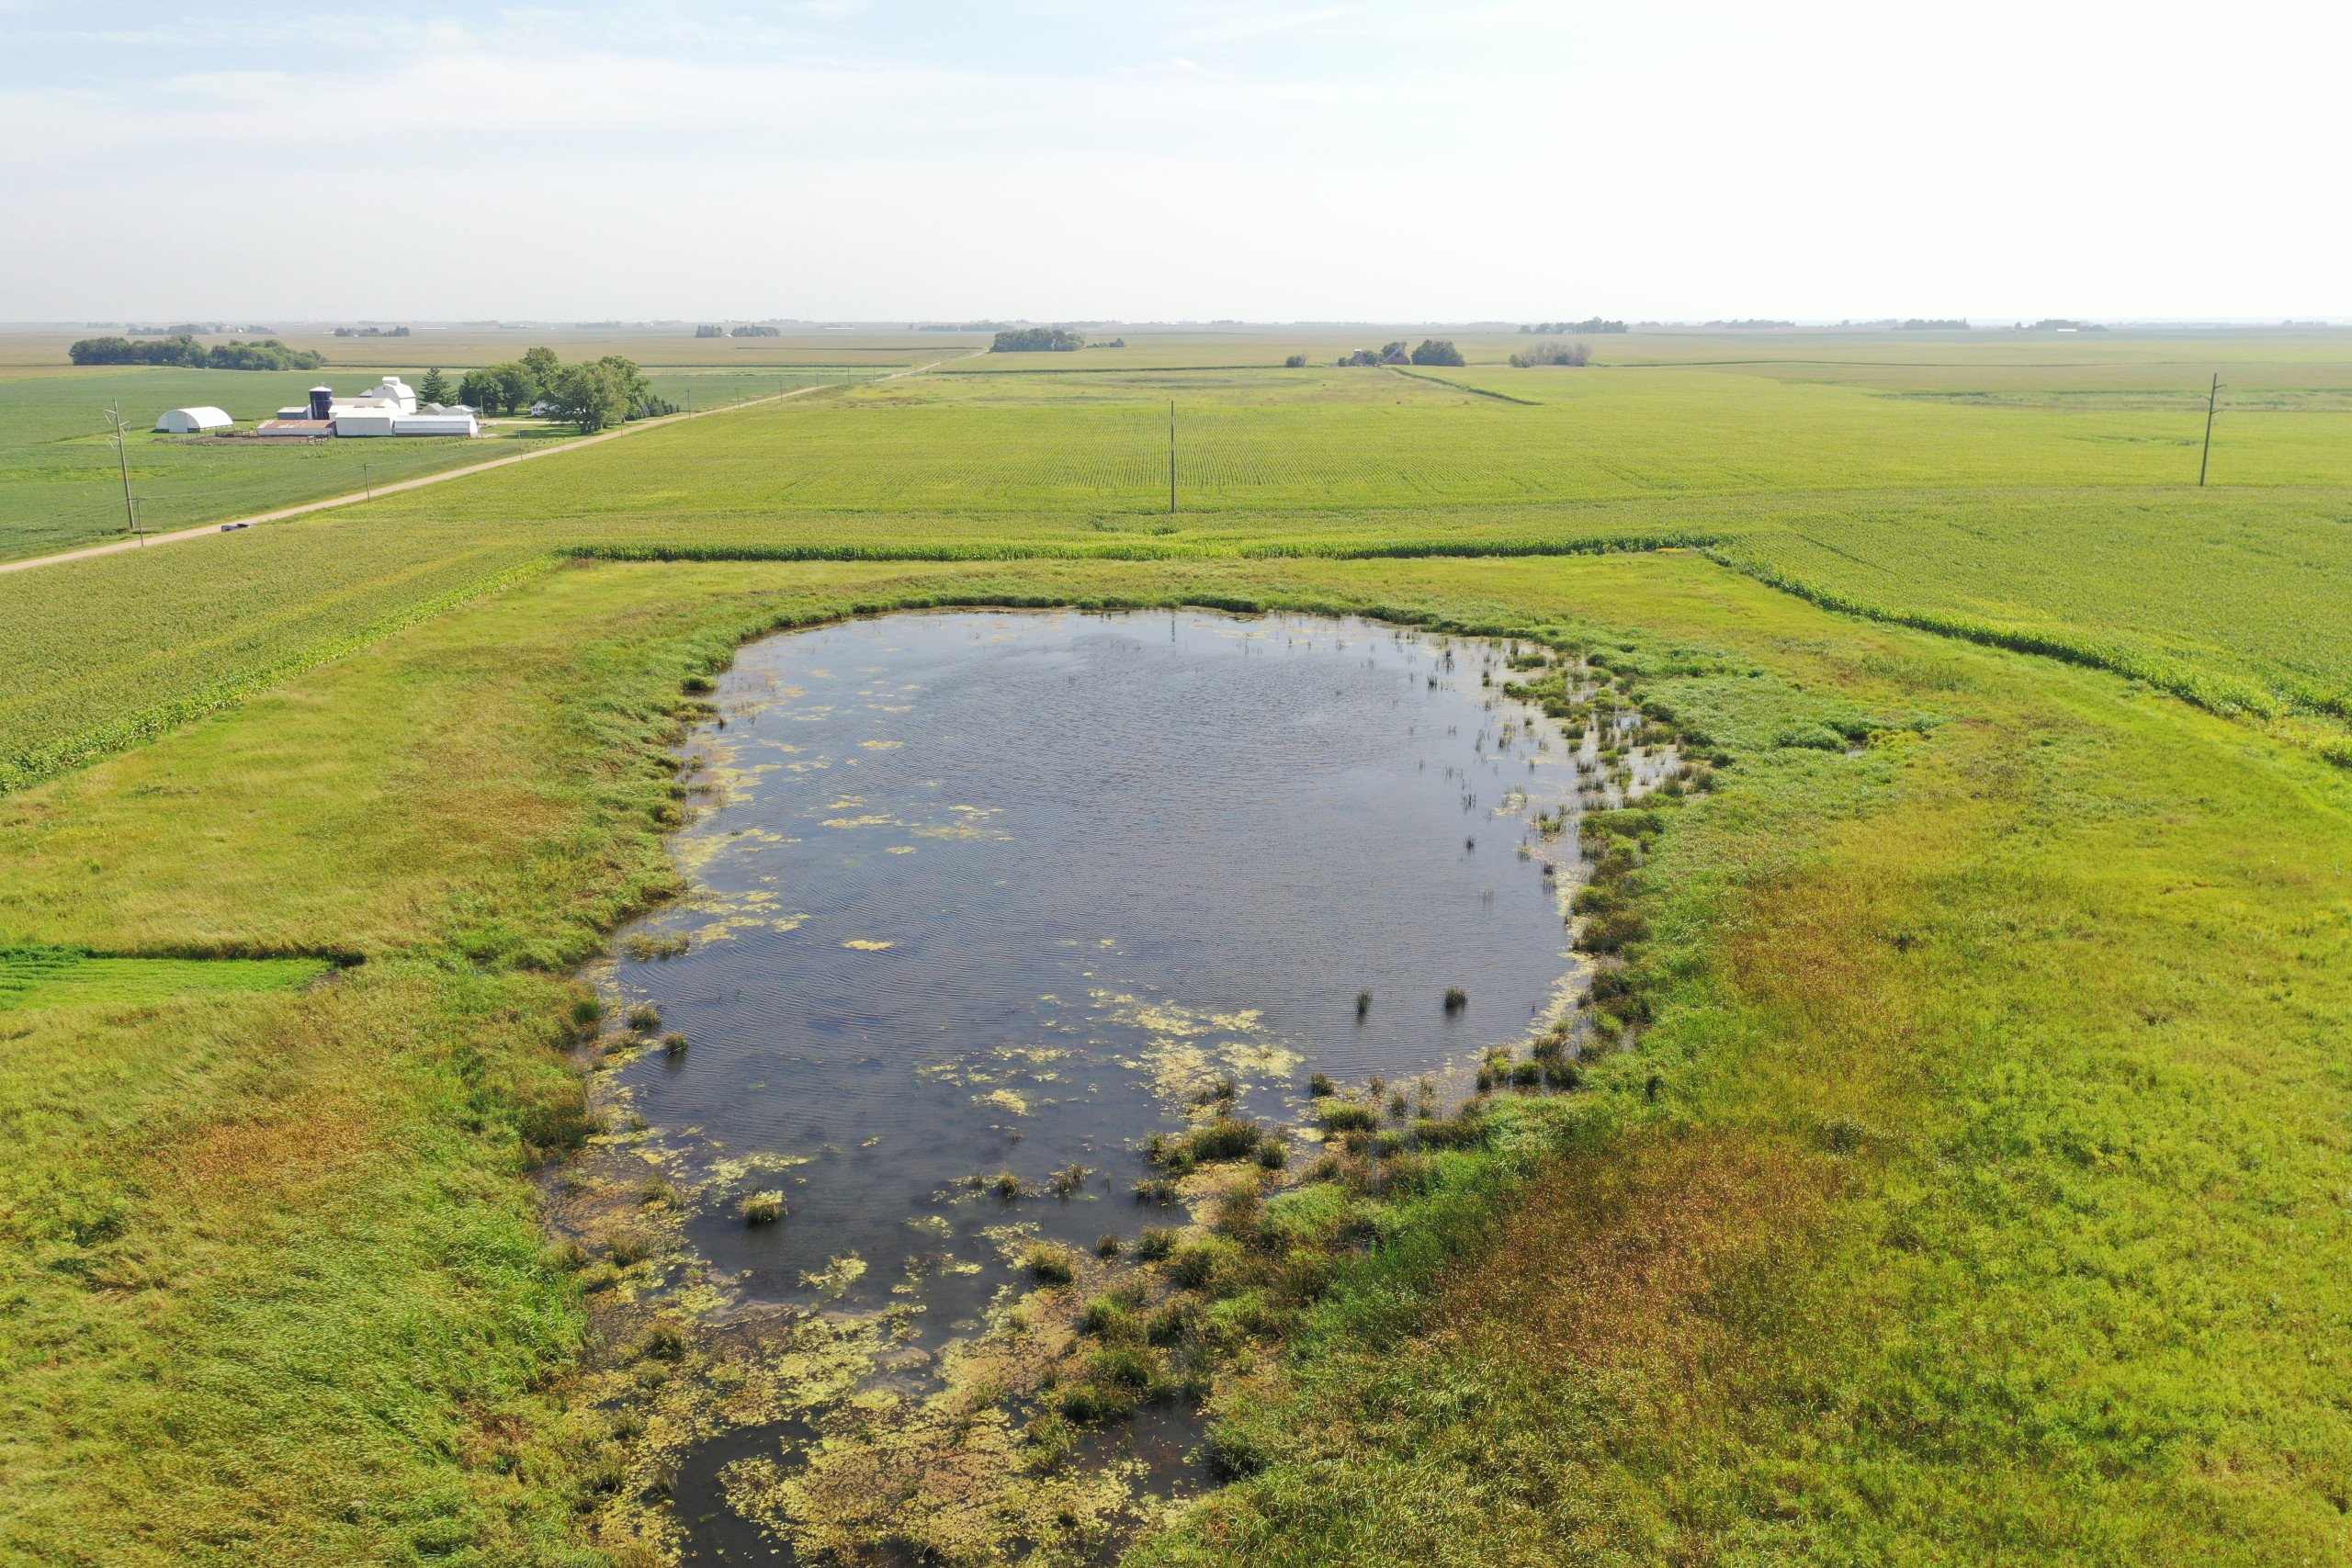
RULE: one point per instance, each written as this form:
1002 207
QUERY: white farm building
192 422
388 408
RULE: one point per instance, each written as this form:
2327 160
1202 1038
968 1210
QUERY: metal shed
191 421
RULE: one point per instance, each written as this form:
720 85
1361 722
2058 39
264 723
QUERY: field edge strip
39 764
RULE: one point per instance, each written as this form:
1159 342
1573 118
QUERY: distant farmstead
192 422
388 408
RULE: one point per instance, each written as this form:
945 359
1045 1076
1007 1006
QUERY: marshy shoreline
1071 1344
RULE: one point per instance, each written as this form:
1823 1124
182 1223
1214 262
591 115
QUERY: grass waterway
980 900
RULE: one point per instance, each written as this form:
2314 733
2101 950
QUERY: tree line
1037 340
267 354
1432 350
591 395
1553 354
1591 325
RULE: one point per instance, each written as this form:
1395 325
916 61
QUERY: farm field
1972 1190
2227 594
61 485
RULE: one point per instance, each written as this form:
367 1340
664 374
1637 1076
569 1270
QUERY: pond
980 900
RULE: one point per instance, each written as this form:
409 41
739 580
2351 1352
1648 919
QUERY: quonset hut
192 422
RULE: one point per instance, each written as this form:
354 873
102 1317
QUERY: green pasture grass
65 977
1987 1202
696 388
1977 1195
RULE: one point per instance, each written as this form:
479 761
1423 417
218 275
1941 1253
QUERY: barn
192 422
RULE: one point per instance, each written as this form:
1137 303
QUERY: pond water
1001 893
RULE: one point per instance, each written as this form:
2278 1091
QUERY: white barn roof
188 421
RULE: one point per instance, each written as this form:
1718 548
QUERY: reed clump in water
1049 1264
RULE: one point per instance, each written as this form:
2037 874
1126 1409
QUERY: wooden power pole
123 462
1171 457
2211 395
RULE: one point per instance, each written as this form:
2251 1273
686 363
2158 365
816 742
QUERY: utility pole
1171 457
2211 396
122 461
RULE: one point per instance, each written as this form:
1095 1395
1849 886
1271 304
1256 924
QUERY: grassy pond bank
1013 946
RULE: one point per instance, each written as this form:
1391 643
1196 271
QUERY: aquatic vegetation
1227 1138
1049 1264
762 1208
1456 998
654 947
1192 1265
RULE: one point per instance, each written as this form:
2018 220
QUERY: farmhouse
388 408
190 421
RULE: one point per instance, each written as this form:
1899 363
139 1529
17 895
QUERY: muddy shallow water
999 893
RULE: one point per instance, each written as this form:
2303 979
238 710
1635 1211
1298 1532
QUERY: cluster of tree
371 332
1432 350
1749 321
178 329
1553 354
2060 324
591 395
1591 325
266 354
1932 324
708 331
1295 362
755 331
1035 340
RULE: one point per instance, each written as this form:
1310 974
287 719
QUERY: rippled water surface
990 892
979 898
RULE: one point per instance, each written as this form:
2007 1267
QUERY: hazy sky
1267 159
